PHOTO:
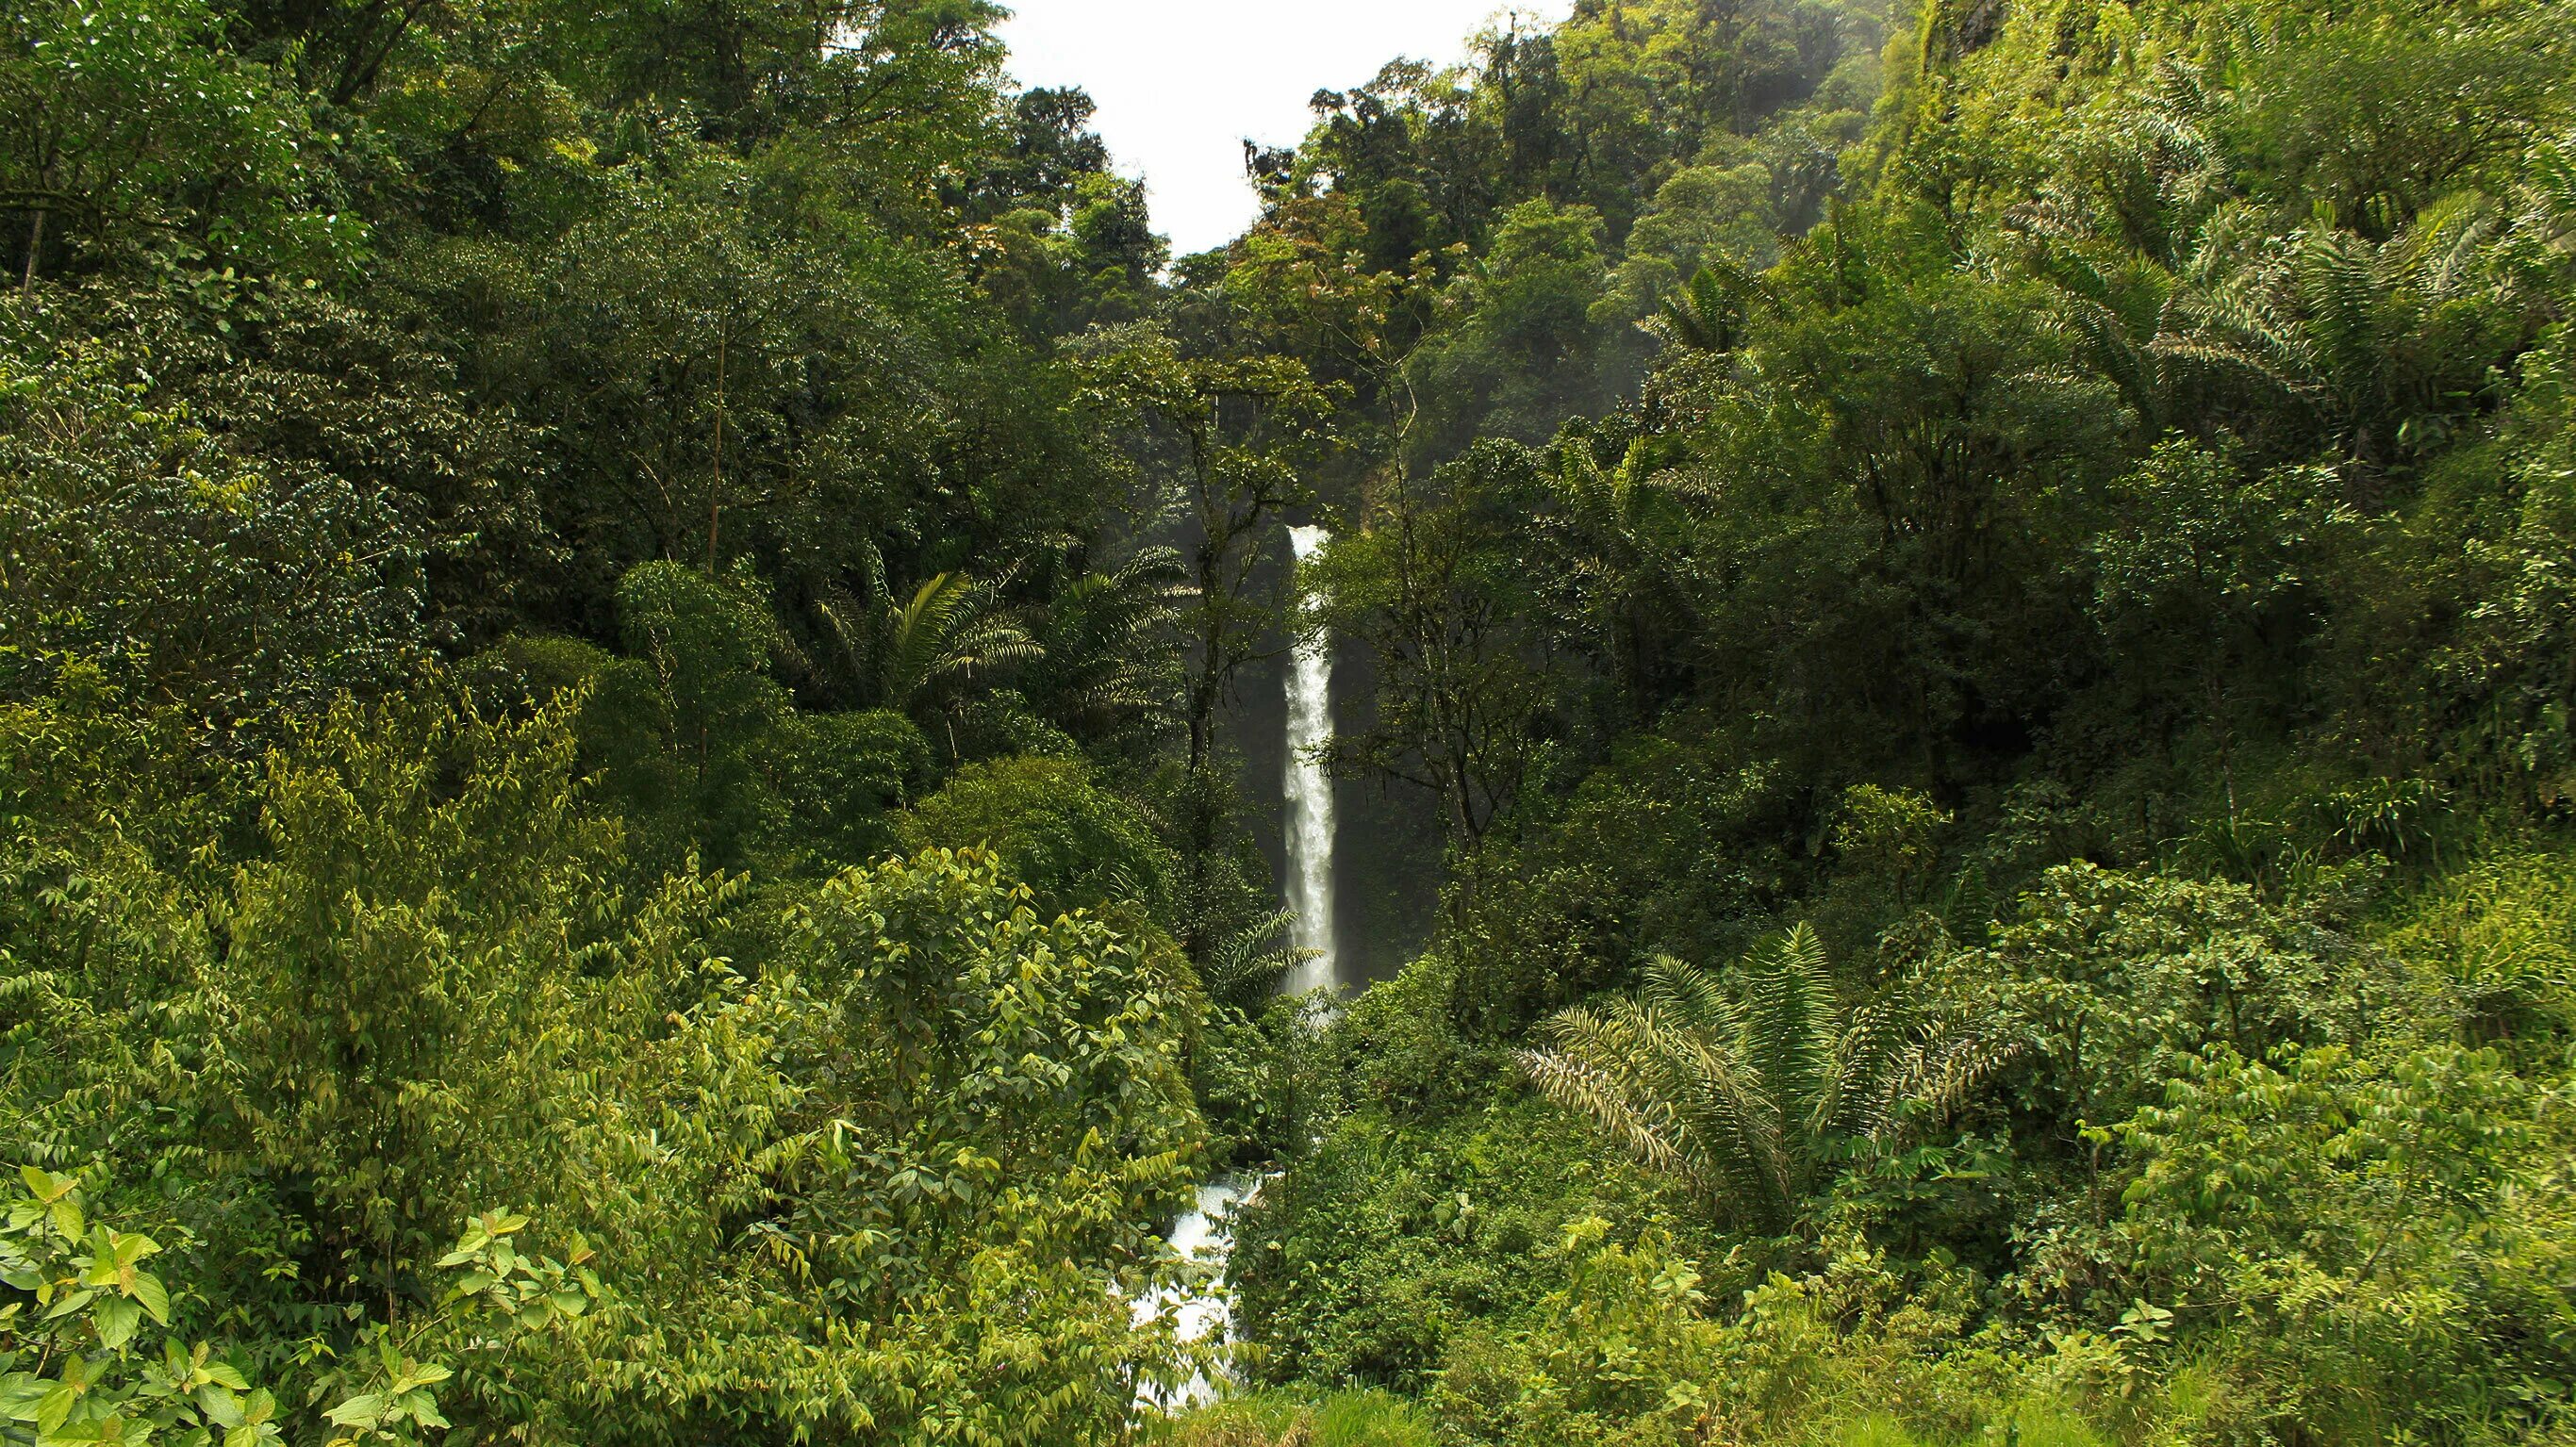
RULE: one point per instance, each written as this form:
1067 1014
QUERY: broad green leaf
19 1394
364 1410
423 1408
44 1184
56 1408
116 1320
155 1297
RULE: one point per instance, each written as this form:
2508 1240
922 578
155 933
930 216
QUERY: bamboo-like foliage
1752 1100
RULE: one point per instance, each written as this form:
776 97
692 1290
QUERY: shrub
1074 843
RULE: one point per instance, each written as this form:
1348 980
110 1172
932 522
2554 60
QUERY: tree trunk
35 248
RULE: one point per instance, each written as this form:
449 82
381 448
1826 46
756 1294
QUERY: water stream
1200 1236
1308 790
1205 1233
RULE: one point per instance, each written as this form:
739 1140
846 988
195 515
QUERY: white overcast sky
1181 83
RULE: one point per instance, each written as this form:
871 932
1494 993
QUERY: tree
2201 574
234 586
427 898
684 722
1521 355
132 131
843 775
1617 520
1753 1103
1438 586
1237 428
1070 842
989 1112
77 1297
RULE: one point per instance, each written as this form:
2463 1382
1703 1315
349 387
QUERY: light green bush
1282 1419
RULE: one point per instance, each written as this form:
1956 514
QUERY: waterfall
1204 1236
1309 793
1206 1233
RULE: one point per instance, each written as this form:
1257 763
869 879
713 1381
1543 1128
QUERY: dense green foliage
625 638
2084 559
1753 1103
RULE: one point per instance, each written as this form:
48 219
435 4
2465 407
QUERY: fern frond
1789 1009
1691 994
1249 966
1743 1102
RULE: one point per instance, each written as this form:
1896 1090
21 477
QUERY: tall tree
1235 430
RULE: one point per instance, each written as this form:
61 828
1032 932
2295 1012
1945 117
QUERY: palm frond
1594 1070
2549 195
1789 1012
1691 994
1111 646
1707 313
952 628
1247 968
1747 1103
1585 1088
1738 1128
1867 1066
2443 250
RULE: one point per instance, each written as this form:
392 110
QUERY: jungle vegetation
625 636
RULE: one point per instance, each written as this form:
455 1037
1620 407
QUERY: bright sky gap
1182 83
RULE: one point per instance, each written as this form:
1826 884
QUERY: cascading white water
1309 791
1205 1234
